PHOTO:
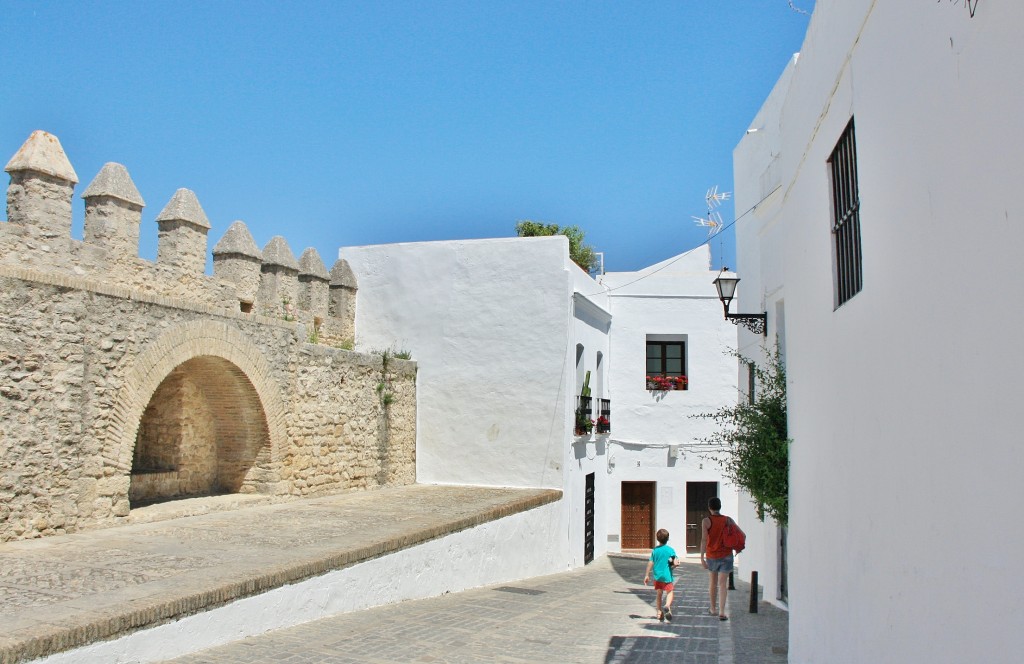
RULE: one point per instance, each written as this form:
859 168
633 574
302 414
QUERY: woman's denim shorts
720 564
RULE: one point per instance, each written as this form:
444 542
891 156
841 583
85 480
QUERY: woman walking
716 557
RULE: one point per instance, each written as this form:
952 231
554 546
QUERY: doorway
637 515
697 496
588 521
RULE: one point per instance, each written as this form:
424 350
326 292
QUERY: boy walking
663 559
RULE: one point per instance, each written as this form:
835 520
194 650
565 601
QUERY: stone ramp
67 591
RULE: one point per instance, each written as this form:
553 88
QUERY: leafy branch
752 444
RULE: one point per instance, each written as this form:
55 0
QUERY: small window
666 363
846 258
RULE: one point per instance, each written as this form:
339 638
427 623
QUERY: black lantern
726 285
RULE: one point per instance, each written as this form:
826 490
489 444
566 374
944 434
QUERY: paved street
601 613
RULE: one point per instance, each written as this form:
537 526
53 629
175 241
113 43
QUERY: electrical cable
688 251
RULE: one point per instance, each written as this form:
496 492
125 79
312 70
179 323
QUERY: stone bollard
753 591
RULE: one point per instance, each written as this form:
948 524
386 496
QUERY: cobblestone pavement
601 613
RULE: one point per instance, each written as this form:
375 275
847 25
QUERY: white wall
906 453
759 253
673 297
493 326
487 323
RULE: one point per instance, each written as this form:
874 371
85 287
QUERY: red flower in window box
666 383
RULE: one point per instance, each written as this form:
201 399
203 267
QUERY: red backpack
732 537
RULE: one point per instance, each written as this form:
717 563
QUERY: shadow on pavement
636 649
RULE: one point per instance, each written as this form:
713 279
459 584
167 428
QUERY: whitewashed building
505 333
667 311
884 173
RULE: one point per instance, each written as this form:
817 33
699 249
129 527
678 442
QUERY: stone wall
38 235
124 382
86 371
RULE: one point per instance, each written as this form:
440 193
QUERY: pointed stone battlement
42 185
279 281
37 236
183 226
237 259
313 283
113 211
341 304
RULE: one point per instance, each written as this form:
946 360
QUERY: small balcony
585 422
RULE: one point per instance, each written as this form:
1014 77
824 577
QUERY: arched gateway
199 415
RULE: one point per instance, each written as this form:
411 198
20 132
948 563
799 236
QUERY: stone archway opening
203 433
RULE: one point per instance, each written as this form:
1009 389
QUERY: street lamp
726 285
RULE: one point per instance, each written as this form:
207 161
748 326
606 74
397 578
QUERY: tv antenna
712 220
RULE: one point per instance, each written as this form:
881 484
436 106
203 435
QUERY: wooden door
637 515
588 521
697 496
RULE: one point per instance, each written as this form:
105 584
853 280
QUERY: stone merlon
311 265
184 206
113 181
43 153
342 275
277 253
238 240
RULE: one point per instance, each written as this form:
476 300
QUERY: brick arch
202 343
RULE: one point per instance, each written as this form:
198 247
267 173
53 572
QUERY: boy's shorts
661 585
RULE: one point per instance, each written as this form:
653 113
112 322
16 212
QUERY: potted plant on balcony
584 425
603 425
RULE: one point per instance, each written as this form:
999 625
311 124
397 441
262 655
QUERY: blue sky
350 123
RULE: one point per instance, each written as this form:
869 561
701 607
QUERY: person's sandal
668 615
661 617
723 617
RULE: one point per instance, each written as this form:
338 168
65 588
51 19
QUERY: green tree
582 254
752 443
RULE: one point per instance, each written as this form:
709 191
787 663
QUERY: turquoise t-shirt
662 572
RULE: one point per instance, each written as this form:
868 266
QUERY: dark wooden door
637 515
697 495
588 521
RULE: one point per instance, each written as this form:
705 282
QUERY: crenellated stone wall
125 382
271 282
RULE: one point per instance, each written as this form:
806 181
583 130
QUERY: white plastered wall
759 252
486 322
903 400
493 326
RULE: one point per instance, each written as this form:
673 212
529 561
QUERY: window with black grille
846 259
